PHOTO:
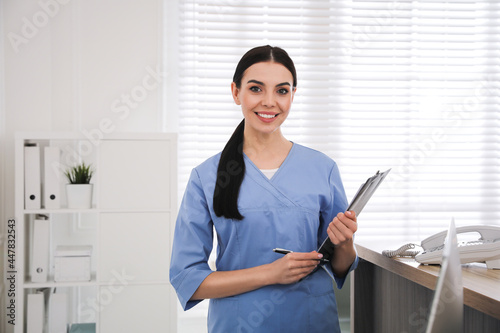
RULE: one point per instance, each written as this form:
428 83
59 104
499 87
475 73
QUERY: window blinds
408 85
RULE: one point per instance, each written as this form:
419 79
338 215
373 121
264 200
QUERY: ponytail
231 169
230 173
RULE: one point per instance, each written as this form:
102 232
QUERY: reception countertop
481 285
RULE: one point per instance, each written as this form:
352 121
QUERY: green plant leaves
79 174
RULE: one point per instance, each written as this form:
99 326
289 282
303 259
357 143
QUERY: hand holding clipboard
357 204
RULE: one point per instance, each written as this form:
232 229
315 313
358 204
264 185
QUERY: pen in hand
283 251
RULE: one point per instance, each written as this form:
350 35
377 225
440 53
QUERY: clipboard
357 204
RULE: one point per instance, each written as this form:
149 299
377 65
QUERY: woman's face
265 95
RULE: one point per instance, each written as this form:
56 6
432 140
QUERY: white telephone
485 249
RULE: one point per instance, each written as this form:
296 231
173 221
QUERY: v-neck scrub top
291 210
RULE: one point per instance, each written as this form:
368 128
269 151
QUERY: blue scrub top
291 210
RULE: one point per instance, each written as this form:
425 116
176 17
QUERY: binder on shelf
35 313
57 316
40 250
32 185
51 178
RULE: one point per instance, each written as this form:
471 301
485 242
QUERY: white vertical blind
408 85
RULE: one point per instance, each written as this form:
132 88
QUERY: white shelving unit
130 228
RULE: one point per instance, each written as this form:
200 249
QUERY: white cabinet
134 235
130 228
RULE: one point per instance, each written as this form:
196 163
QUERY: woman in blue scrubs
264 192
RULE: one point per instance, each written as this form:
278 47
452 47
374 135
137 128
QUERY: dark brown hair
231 169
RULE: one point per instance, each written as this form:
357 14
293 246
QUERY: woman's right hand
294 266
289 269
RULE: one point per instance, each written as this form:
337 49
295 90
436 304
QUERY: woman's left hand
341 230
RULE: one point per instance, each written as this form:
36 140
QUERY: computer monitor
446 314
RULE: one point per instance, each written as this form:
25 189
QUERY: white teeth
268 116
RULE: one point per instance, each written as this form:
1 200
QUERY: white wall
93 66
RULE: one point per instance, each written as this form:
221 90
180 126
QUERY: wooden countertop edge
427 276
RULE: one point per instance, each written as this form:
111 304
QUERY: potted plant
79 189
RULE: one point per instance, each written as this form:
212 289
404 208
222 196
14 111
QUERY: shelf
51 283
91 211
43 211
141 213
93 282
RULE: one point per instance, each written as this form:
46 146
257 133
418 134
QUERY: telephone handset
485 249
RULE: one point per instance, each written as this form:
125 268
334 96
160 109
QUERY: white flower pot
79 195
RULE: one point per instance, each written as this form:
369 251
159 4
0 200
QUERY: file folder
32 185
51 179
35 313
57 316
357 204
40 250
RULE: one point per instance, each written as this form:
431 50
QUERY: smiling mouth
267 116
